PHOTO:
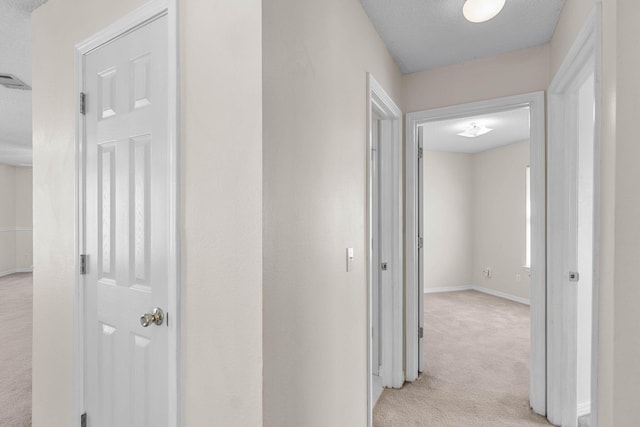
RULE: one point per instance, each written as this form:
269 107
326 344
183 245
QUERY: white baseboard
6 273
16 270
447 289
584 408
502 295
479 289
12 229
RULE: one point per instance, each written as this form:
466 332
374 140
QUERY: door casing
381 105
124 25
582 60
414 291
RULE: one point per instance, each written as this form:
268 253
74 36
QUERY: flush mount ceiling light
12 82
481 10
474 129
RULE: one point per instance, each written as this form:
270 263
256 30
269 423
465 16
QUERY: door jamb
380 102
130 22
537 160
583 58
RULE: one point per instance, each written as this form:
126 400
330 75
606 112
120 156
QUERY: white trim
538 274
380 102
16 270
130 22
583 58
584 409
595 313
488 291
12 229
7 272
503 295
443 289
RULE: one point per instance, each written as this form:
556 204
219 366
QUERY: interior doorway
385 261
415 244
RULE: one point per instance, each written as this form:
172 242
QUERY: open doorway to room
475 210
16 293
476 265
16 219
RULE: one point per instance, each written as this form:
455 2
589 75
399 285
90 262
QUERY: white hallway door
126 230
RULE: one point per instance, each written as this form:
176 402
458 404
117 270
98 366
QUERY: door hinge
83 103
83 420
420 242
574 276
420 332
420 152
83 264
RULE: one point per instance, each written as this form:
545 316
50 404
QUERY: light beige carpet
16 295
476 367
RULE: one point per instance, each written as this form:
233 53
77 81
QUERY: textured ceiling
508 127
15 105
423 34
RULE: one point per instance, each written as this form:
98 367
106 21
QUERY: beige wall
222 201
16 248
24 198
448 219
221 205
512 73
627 213
7 219
574 15
316 56
606 303
499 220
24 218
474 208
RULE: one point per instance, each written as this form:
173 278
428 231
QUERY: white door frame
583 59
414 290
380 104
126 24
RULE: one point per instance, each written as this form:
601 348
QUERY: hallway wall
316 56
511 73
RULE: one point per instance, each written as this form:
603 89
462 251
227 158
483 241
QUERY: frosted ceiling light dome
474 130
481 10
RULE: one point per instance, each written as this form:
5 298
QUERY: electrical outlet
517 277
487 272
